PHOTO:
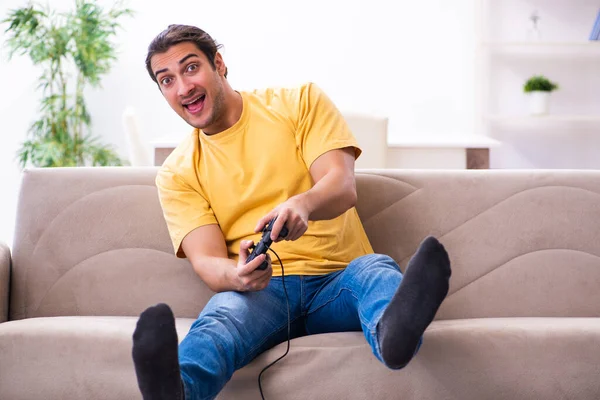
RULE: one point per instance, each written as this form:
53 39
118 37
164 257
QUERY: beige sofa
521 320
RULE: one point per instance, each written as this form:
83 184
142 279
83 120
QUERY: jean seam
301 294
375 334
276 331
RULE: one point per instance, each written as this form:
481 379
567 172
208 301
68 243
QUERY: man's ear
220 64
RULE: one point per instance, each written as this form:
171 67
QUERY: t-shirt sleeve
320 125
185 208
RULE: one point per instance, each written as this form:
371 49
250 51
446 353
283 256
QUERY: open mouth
196 104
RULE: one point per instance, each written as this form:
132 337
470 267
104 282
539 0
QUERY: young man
254 156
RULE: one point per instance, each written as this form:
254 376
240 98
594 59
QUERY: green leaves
47 152
92 50
25 32
73 50
539 83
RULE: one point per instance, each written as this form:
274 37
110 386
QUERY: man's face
192 87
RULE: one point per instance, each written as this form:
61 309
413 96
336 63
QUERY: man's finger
244 250
264 280
279 223
263 221
250 267
292 234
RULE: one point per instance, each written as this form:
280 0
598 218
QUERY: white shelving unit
544 119
544 49
507 57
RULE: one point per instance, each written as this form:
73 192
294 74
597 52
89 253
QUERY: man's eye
192 67
165 81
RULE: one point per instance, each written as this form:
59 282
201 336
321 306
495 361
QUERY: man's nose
185 87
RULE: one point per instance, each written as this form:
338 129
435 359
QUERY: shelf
438 141
545 120
545 49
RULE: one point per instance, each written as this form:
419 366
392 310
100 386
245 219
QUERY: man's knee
369 262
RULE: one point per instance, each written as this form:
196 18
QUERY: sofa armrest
5 262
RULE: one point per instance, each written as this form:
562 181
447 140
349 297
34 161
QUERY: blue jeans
235 327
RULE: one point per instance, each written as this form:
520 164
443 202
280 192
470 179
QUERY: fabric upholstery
520 321
504 358
521 243
4 280
57 358
94 242
485 358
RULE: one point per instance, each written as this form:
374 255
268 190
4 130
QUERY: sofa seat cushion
488 358
501 358
70 358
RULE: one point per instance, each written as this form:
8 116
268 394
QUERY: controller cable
287 300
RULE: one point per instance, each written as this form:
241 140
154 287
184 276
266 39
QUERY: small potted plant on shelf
538 88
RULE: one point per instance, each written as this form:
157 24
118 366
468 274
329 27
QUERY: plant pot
539 102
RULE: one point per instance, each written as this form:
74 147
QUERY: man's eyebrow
160 71
186 57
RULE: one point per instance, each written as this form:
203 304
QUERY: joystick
265 242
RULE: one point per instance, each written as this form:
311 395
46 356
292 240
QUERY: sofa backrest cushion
93 241
521 242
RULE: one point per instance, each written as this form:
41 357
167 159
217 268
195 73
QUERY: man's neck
233 106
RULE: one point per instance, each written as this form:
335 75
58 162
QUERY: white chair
371 134
138 154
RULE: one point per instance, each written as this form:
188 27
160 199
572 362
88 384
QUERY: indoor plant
538 88
74 50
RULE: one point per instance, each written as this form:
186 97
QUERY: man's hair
175 34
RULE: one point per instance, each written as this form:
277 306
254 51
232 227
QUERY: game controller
265 242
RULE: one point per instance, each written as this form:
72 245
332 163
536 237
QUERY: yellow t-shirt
235 177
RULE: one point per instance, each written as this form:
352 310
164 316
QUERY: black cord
287 300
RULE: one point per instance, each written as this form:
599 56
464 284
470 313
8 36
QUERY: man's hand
293 214
248 277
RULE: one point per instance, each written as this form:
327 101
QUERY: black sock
155 355
423 288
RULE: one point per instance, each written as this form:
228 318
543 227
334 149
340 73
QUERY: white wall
17 108
410 61
366 57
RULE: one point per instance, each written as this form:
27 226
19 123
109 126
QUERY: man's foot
413 307
155 355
